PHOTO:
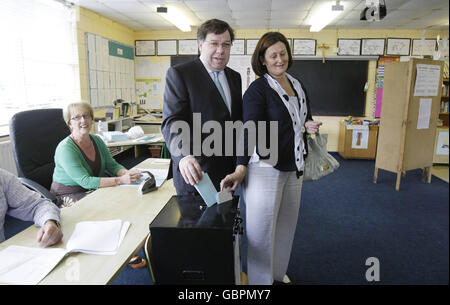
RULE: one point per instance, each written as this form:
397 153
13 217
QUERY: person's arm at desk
24 204
123 176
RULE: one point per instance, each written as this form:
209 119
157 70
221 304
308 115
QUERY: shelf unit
440 155
121 124
443 114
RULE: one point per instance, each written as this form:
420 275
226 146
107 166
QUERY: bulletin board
150 81
110 71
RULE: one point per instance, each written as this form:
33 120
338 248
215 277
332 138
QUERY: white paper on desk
98 237
28 266
160 161
423 121
206 189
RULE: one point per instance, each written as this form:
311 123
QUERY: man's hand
232 180
190 170
49 234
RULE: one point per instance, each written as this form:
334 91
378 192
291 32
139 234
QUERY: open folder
26 265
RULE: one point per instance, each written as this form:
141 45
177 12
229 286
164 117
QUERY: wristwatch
55 221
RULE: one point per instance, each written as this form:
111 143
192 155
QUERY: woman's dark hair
266 41
215 26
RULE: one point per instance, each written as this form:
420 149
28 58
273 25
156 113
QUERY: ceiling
140 15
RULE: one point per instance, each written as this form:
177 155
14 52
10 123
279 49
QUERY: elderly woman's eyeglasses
78 117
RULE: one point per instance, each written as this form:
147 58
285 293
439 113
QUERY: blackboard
334 88
175 60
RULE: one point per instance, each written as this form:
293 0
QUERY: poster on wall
243 65
360 138
150 81
442 143
379 81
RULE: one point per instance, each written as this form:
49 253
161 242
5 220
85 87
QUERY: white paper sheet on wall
442 143
427 80
92 58
242 64
93 79
360 138
423 121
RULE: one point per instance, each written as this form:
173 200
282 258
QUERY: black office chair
34 136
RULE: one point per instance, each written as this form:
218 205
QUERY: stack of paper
25 265
98 237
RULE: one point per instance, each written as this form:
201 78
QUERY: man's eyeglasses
215 44
78 117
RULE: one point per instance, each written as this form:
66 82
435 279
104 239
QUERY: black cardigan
262 103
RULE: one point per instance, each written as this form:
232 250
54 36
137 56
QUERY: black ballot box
191 243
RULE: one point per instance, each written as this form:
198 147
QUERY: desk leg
375 175
397 184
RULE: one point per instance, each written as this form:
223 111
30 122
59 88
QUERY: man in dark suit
204 88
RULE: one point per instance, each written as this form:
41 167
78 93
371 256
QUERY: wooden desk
118 202
158 139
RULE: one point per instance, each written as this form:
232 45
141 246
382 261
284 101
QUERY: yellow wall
94 23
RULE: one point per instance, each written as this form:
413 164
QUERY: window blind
38 57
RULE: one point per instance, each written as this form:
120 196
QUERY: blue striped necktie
219 86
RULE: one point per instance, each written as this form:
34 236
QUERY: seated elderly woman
82 158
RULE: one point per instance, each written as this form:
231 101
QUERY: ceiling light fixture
325 15
175 17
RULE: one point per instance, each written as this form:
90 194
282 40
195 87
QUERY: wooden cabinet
353 143
411 105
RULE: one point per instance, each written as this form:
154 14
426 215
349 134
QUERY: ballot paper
206 189
28 266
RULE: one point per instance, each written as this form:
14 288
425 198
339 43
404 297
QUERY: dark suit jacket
190 89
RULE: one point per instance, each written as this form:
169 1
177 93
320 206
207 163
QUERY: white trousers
272 202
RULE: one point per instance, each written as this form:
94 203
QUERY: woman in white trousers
273 182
